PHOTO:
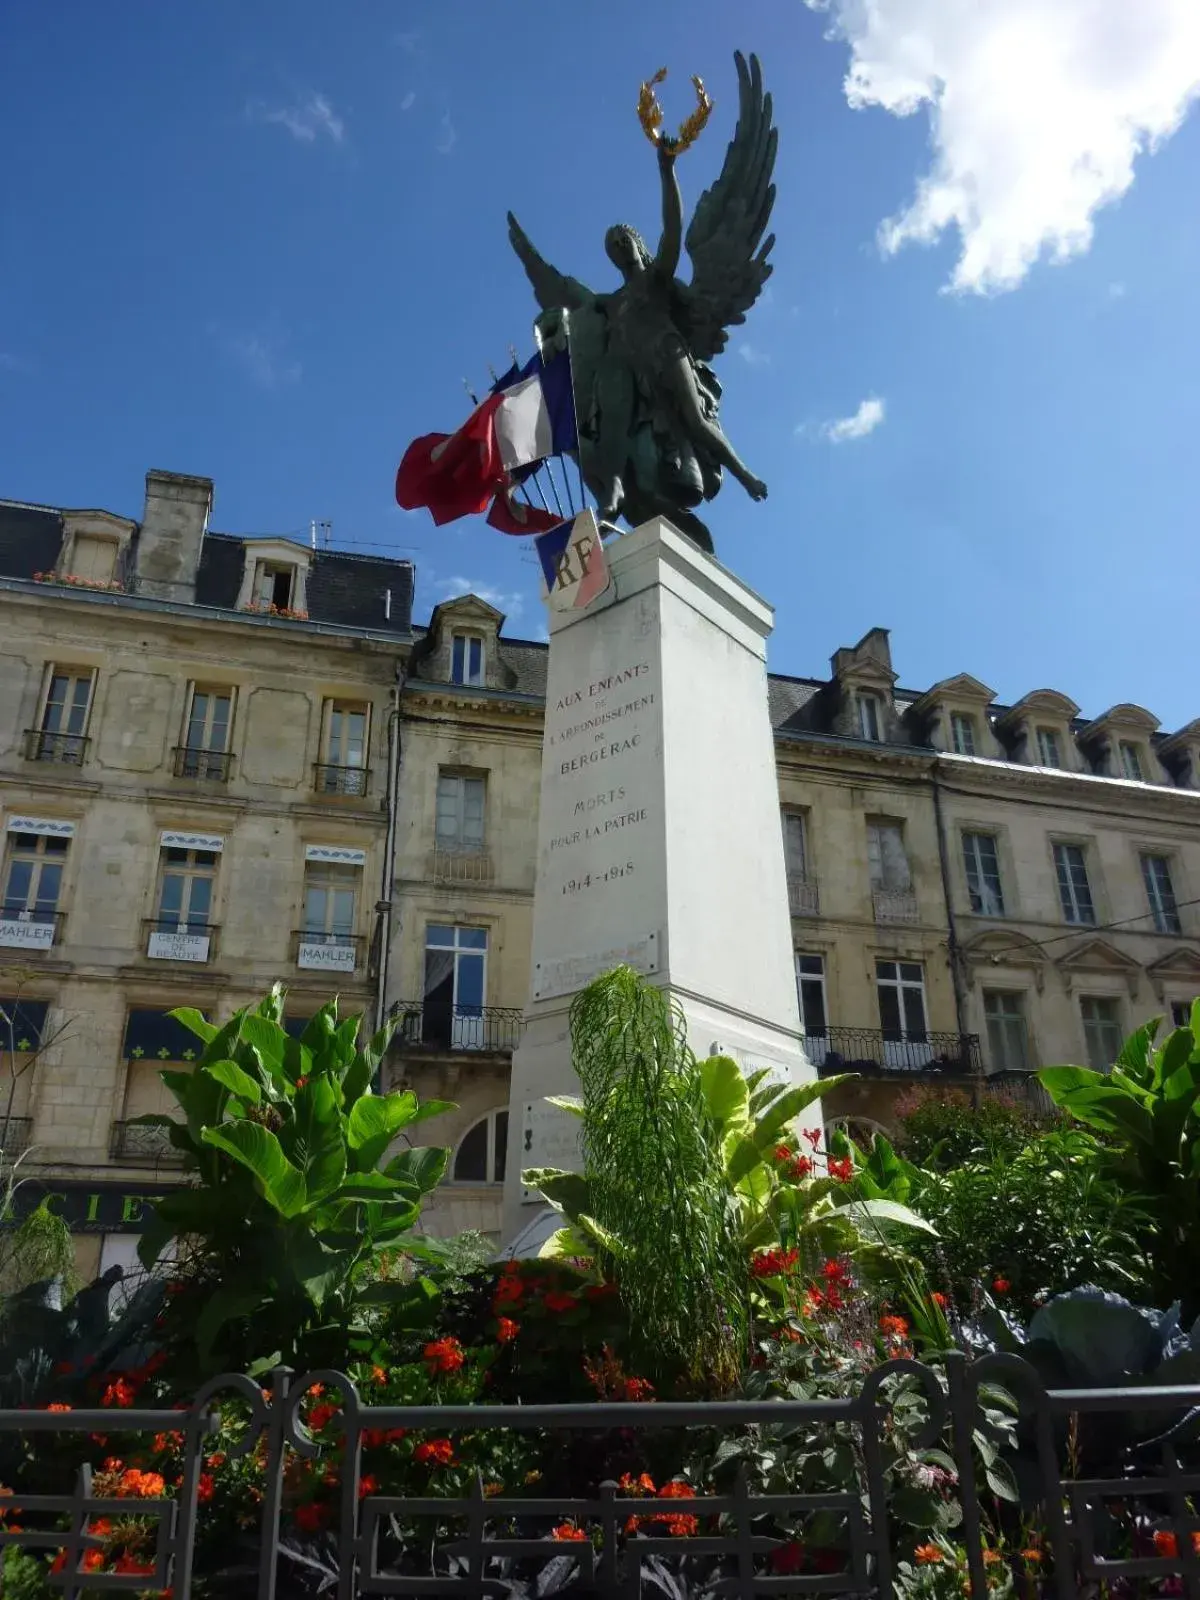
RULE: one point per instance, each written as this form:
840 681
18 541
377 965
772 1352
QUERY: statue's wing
552 287
725 236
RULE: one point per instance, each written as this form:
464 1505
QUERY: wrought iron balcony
213 766
803 897
1022 1085
14 1134
451 864
68 749
895 905
22 929
328 779
148 1146
435 1025
876 1052
174 939
318 951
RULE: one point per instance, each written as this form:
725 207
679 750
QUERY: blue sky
266 243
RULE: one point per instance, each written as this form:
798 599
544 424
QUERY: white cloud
752 355
308 118
447 135
1038 109
409 100
864 421
455 588
263 359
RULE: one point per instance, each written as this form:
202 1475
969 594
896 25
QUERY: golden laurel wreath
650 115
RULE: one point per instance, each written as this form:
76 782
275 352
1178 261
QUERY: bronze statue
650 441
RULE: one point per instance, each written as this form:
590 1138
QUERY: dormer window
1131 760
274 586
466 659
870 717
962 733
93 558
1049 749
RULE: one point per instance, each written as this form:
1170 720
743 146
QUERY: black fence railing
14 1134
329 779
147 1145
876 1051
1096 1534
214 766
437 1025
68 749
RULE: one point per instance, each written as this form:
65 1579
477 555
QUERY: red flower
438 1452
939 1300
119 1393
57 1405
373 1437
813 1135
641 1485
841 1168
205 1488
788 1559
680 1526
1001 1285
782 1152
601 1291
367 1485
1165 1543
773 1263
394 1435
301 1080
131 1565
92 1561
320 1415
510 1290
638 1389
928 1555
799 1167
443 1355
506 1330
310 1518
893 1327
567 1531
676 1490
557 1300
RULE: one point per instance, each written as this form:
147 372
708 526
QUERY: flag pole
575 413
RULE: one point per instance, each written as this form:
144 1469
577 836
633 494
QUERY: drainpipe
385 908
952 944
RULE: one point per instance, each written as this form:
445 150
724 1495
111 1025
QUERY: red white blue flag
573 563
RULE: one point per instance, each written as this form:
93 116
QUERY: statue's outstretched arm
667 259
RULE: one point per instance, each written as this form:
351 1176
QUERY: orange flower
677 1490
893 1327
1166 1544
443 1356
119 1393
57 1405
990 1557
1031 1555
939 1300
141 1485
679 1526
506 1330
438 1452
567 1531
928 1555
367 1485
378 1375
643 1484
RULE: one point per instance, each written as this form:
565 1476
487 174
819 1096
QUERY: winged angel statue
646 398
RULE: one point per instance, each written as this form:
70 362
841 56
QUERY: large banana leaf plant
293 1200
752 1116
1148 1107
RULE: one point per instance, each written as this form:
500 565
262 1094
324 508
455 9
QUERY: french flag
528 419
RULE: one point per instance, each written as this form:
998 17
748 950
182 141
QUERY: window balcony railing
876 1051
173 939
318 951
67 749
436 1025
21 929
803 897
458 864
328 779
895 905
213 766
14 1134
1021 1084
149 1146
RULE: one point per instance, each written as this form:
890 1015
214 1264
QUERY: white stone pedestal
660 842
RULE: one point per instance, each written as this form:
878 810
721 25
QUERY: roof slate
30 539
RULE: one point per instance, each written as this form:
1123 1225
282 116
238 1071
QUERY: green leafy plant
938 1127
295 1200
1148 1110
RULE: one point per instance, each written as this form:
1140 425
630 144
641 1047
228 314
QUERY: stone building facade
227 761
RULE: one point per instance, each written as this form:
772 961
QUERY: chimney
173 527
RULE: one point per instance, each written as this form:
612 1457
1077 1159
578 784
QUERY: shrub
940 1128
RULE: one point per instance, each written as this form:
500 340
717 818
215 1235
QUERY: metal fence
482 1543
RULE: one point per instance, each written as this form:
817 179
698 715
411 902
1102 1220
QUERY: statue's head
626 249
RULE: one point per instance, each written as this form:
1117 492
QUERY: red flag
454 474
516 516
